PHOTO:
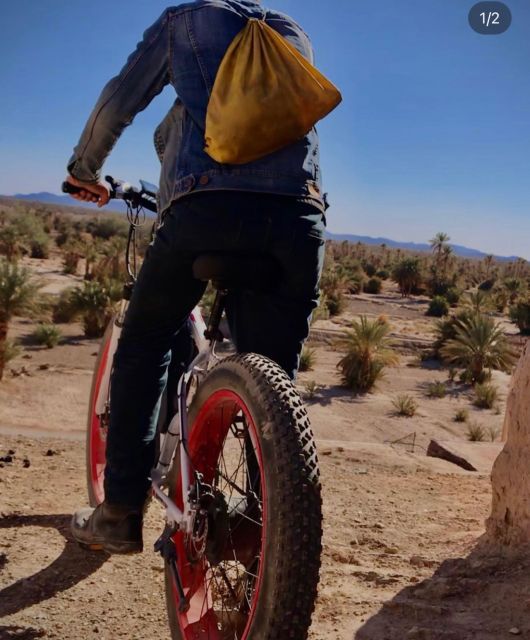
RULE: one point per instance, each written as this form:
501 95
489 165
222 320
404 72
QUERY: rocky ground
398 530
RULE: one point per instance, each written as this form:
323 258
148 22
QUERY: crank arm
166 547
174 515
184 605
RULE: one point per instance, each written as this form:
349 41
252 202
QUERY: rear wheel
250 569
96 432
97 425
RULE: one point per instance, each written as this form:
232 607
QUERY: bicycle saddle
236 271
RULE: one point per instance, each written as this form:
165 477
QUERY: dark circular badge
490 18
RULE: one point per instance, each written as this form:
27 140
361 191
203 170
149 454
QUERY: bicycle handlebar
120 190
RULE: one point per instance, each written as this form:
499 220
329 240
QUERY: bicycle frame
177 433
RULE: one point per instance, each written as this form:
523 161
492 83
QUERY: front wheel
250 569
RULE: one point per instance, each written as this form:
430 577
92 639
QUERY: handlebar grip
68 187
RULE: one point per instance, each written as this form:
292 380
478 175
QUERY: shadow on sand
325 395
31 344
73 565
480 597
20 633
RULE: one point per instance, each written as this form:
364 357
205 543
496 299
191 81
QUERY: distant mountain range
53 198
463 252
118 205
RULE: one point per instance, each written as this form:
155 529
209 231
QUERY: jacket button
188 183
204 180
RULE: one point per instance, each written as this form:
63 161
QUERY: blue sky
433 134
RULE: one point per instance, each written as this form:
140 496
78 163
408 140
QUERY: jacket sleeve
142 78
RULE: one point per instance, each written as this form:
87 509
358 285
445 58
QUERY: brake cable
136 218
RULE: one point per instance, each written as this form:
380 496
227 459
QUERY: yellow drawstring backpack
266 95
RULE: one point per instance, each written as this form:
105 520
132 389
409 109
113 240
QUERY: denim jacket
184 48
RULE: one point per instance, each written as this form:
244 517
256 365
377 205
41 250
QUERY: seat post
213 332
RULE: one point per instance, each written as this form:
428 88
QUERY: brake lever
114 185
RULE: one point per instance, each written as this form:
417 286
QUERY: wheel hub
210 528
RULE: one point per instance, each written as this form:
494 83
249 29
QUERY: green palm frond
368 350
479 344
17 290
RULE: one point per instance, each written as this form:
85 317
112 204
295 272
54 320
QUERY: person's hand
90 192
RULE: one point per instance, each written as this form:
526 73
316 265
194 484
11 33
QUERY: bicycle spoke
233 485
243 515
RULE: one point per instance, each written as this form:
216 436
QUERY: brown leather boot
109 527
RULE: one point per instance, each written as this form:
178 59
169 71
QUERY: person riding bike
273 207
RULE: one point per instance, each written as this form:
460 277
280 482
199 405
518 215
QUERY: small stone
44 367
391 550
379 525
11 452
515 631
362 472
26 463
417 561
51 452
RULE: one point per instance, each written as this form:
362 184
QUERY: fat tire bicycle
236 472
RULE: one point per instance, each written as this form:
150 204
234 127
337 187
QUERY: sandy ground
401 530
382 510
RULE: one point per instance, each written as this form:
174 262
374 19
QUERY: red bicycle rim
223 594
98 434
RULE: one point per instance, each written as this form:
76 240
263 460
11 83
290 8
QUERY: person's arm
142 78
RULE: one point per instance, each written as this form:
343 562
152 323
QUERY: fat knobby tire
294 505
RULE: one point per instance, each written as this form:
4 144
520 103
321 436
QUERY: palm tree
407 275
332 284
72 252
94 302
501 298
515 287
113 263
520 315
478 301
447 255
10 242
439 242
488 263
479 344
368 351
90 253
17 296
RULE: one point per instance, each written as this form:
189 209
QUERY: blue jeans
274 324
